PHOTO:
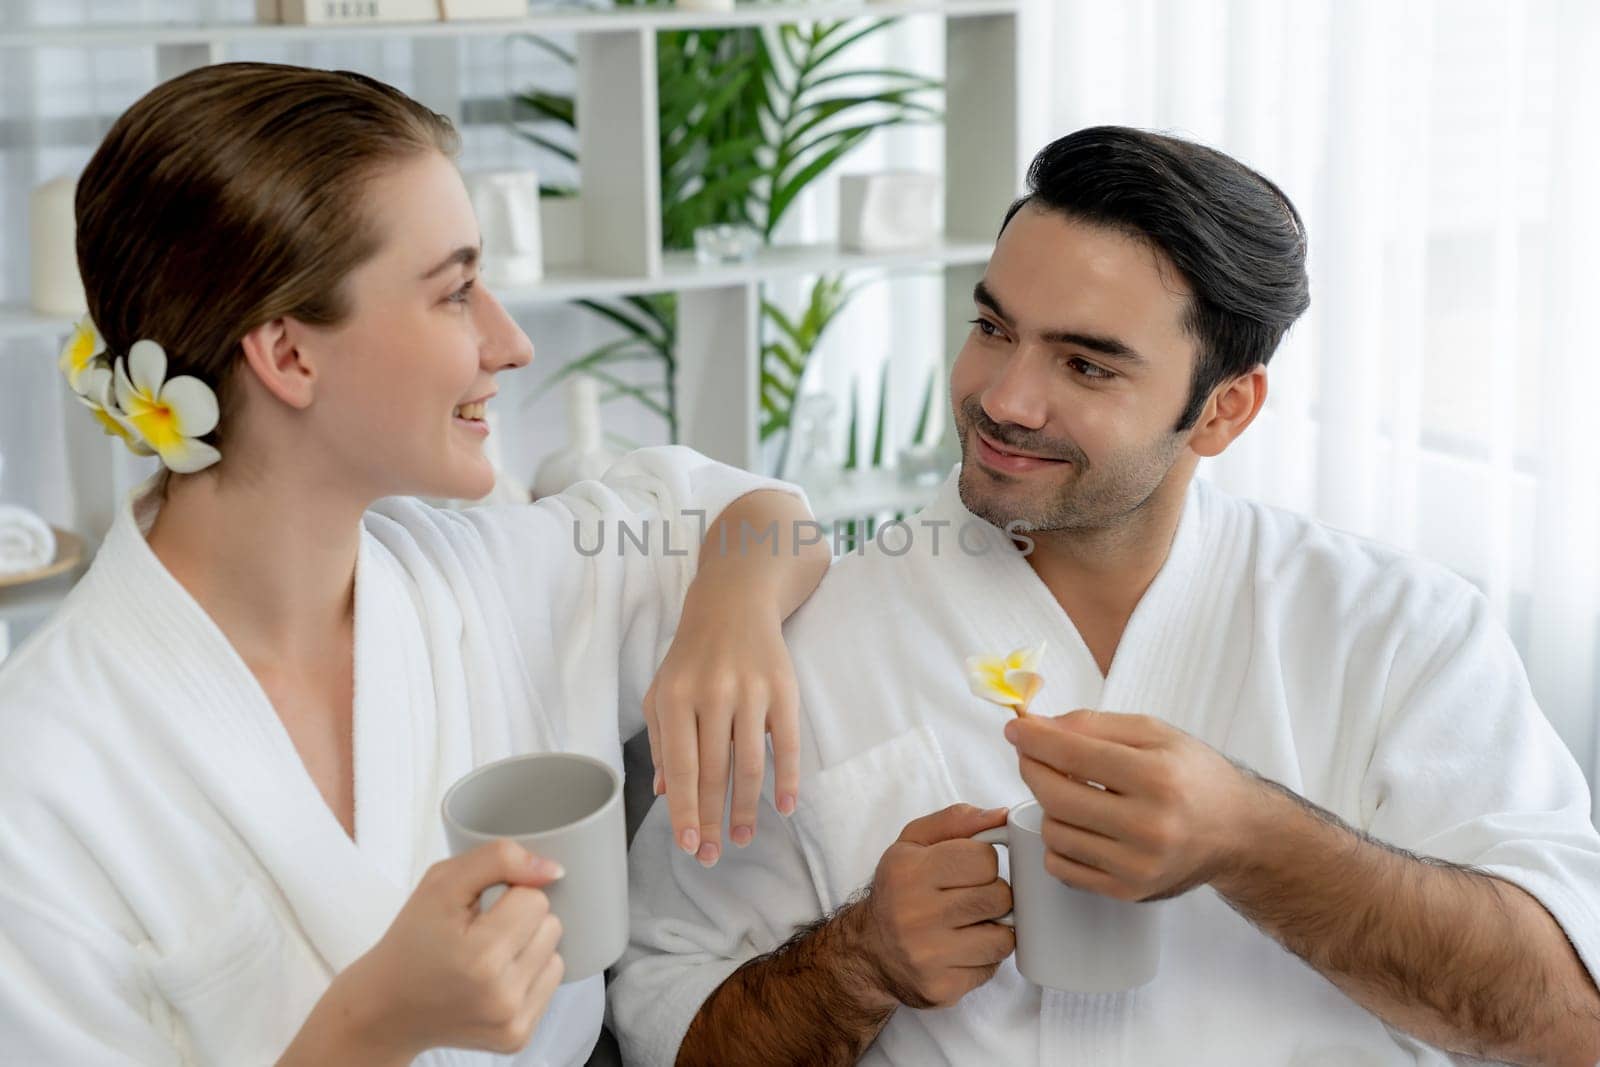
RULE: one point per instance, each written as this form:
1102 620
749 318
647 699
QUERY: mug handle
998 836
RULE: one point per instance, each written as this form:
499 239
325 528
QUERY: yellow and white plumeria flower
1012 680
81 354
169 416
86 365
96 395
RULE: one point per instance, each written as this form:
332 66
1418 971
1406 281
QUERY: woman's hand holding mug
446 975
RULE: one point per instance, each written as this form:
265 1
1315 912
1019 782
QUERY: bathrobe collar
218 721
1168 634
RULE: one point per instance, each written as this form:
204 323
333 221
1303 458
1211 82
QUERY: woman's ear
1231 408
279 363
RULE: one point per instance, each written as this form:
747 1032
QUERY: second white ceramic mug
1072 939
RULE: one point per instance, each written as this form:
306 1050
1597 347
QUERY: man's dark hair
1234 236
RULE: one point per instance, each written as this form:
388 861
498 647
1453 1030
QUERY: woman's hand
726 683
446 976
727 680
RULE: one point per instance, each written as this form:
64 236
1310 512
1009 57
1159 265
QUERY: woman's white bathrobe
174 889
1375 684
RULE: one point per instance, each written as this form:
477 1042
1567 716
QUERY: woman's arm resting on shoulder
727 680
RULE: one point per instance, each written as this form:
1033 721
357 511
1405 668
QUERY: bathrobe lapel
977 585
1167 635
215 717
1174 648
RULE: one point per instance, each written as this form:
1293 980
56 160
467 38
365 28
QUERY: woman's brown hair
231 196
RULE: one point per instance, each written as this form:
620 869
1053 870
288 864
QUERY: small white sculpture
507 206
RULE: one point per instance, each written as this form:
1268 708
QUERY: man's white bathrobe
174 889
1374 684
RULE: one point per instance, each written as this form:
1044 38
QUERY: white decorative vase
507 489
585 457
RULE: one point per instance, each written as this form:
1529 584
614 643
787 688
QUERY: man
1319 755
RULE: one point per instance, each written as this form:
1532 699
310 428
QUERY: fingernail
741 835
690 840
786 804
1011 731
655 786
708 854
549 869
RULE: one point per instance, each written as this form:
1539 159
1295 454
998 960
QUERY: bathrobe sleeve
578 555
691 927
1468 769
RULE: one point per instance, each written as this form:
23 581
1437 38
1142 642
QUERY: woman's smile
470 416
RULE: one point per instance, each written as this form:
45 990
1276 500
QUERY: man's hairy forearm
1457 957
814 1000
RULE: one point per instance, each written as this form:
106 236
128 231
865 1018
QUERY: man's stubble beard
1093 498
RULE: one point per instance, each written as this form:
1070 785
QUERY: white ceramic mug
564 807
1071 939
507 206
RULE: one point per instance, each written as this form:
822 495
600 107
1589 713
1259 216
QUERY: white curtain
1441 393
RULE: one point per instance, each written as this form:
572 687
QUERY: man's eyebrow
466 256
1109 347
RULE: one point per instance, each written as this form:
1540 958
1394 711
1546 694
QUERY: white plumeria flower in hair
87 368
96 395
1012 680
169 416
80 354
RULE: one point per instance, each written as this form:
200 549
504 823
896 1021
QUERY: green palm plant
649 327
854 531
749 118
820 111
784 358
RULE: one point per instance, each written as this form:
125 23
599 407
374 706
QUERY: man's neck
1099 576
271 561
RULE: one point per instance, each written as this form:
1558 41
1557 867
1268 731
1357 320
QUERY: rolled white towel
26 541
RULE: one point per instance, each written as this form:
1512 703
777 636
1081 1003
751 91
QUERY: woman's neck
272 563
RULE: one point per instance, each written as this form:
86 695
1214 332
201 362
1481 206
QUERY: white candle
705 5
52 235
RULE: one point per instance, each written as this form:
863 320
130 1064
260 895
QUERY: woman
223 760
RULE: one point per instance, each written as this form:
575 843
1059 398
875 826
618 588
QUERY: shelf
679 272
617 225
19 322
867 493
69 35
37 600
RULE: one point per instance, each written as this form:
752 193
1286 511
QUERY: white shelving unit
719 309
